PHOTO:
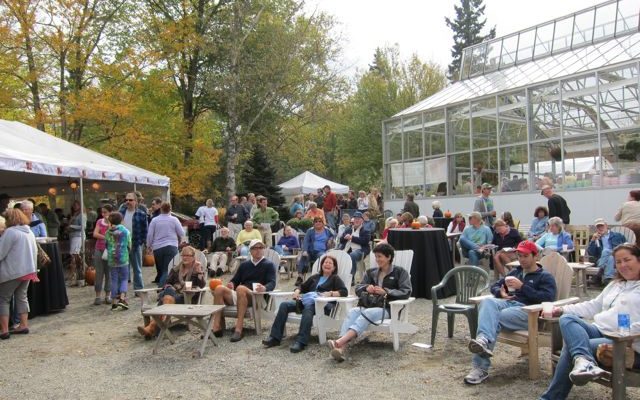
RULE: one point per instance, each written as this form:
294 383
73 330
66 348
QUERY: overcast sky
418 26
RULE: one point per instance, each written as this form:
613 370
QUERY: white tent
307 182
31 161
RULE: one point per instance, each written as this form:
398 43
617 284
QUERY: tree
259 177
389 86
467 28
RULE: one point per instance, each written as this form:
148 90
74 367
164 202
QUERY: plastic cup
255 286
547 309
188 285
565 247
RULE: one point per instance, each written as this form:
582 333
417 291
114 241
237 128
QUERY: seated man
317 241
504 311
256 269
474 238
601 249
221 248
245 236
355 241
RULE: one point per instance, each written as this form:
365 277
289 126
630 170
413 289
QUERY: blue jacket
363 239
248 274
310 237
538 286
615 239
140 226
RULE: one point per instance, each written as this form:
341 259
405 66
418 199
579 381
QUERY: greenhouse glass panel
394 141
546 158
579 105
483 123
460 173
514 168
509 51
459 128
581 167
412 128
512 118
414 177
477 60
525 45
434 133
544 40
621 158
492 58
583 28
627 19
605 25
562 36
619 98
545 105
485 167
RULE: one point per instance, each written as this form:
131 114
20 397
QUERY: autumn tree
389 86
467 27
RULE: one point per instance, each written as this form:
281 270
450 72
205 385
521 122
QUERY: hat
357 214
487 186
599 221
255 242
527 247
543 188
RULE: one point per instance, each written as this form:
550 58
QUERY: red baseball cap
527 247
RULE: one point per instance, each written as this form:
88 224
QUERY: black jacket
558 208
334 283
397 283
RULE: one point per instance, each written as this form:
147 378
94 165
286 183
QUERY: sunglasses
131 199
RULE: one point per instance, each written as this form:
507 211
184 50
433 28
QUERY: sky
418 26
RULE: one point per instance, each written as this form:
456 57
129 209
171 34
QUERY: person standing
103 273
118 243
164 236
155 208
329 206
135 221
50 219
38 227
557 204
265 216
208 215
411 206
484 205
251 205
237 214
629 214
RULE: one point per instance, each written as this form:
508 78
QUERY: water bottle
624 319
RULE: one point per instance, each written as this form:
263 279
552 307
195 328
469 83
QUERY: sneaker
114 307
585 371
123 304
97 301
298 281
219 272
476 376
107 300
282 270
480 346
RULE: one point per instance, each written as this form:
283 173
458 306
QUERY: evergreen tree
466 32
259 176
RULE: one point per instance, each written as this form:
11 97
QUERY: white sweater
603 308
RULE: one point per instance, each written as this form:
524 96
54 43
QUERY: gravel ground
90 352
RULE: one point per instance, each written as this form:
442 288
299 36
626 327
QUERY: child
118 241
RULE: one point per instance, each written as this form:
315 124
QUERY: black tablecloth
431 259
50 294
442 222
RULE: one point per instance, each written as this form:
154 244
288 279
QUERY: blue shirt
320 241
39 230
481 235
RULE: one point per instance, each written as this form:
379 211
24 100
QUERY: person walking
557 204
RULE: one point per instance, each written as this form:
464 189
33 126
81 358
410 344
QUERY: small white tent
31 161
307 182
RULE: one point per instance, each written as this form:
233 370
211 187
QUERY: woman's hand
379 290
296 295
557 312
230 285
371 289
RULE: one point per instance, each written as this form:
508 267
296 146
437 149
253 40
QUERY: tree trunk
34 85
231 152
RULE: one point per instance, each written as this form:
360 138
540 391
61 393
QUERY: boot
148 331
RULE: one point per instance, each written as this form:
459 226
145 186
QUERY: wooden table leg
164 331
207 335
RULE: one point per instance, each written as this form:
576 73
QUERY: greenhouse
556 103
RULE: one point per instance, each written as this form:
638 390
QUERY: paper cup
547 309
188 285
565 247
255 286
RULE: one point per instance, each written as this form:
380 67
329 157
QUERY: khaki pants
234 229
265 231
219 260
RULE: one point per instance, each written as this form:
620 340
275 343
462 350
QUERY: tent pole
83 225
134 187
168 192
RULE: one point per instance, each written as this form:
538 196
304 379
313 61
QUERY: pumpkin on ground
90 276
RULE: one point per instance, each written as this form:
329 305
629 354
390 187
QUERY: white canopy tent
308 182
32 161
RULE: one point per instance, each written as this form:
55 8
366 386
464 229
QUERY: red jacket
330 202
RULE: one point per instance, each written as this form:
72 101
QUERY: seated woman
457 225
437 212
327 283
287 242
317 241
424 222
189 270
577 364
508 219
505 237
556 238
245 236
405 220
346 223
539 223
389 224
385 280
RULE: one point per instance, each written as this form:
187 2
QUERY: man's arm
363 239
270 276
546 290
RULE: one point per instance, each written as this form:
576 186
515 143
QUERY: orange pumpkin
214 283
416 225
148 260
90 276
447 214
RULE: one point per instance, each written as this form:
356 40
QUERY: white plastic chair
398 322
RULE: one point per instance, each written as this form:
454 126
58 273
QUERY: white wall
586 205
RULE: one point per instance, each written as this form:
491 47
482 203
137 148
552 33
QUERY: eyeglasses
188 255
131 199
257 248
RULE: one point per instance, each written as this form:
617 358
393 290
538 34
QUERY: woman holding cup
556 239
182 277
577 364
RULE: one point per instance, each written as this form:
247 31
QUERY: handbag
43 257
370 300
299 306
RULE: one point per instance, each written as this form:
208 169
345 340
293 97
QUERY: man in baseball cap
601 248
525 285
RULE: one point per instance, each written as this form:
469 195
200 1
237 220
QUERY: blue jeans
581 338
493 316
103 273
306 263
119 276
331 220
135 261
358 323
469 248
170 291
206 235
607 263
278 249
244 250
163 257
356 255
277 329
